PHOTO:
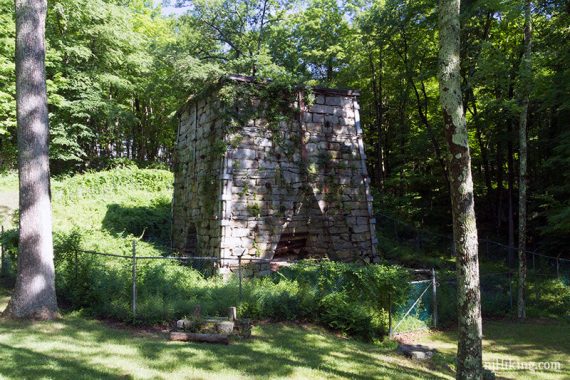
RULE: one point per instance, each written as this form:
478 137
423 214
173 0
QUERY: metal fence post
434 296
240 277
510 292
396 231
2 262
75 272
390 332
134 279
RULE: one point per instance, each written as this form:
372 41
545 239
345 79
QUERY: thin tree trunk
525 77
431 134
511 176
469 352
482 147
377 93
510 195
422 107
34 293
500 188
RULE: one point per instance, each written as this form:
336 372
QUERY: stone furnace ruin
275 174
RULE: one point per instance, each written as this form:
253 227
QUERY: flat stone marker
416 351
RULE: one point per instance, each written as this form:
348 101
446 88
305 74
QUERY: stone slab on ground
416 351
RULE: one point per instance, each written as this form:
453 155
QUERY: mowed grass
509 344
78 348
75 347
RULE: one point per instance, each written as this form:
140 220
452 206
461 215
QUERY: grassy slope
74 347
86 201
9 181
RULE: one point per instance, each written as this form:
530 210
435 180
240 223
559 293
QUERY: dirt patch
154 331
412 337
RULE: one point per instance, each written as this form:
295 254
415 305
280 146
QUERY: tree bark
34 293
469 352
525 78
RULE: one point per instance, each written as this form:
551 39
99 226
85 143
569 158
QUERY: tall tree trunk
525 78
34 293
469 351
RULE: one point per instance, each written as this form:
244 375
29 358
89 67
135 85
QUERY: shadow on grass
278 351
508 340
151 222
22 363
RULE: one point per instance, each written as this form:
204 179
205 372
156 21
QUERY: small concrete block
225 327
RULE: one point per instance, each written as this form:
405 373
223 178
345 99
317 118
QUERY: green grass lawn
9 181
79 348
108 207
528 342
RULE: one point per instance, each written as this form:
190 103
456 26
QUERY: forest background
118 70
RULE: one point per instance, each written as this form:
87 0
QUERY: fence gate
419 312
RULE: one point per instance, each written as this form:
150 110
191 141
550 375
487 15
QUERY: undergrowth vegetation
346 297
106 211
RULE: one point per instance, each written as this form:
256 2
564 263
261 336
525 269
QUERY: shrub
119 180
351 298
548 298
339 311
9 240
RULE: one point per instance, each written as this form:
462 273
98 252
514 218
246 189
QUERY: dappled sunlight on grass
74 347
531 341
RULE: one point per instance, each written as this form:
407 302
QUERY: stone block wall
290 188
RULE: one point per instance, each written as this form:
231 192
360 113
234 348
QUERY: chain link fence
82 269
207 266
428 242
547 276
432 297
419 312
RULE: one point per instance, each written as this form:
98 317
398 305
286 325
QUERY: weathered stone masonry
292 188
